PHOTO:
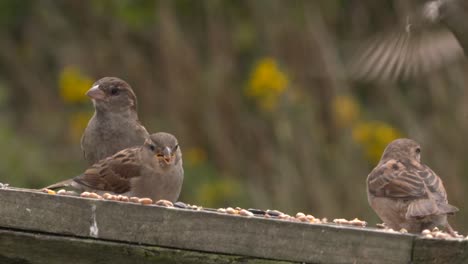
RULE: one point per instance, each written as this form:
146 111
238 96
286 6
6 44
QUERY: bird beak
95 93
167 152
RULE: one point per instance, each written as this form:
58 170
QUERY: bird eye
418 150
152 147
114 91
176 147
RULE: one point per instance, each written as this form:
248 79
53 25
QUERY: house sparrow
153 170
114 125
432 36
406 193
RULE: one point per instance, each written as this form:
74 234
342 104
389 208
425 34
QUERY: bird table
37 227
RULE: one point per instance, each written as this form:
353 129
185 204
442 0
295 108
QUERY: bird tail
426 207
448 209
62 184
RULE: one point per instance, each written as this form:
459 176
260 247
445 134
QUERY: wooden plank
437 251
199 230
22 247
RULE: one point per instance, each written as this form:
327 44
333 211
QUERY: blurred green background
254 90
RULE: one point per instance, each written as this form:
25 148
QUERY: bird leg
450 230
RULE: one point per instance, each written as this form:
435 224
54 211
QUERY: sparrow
153 170
433 35
114 125
406 193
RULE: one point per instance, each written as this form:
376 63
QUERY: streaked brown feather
113 173
403 182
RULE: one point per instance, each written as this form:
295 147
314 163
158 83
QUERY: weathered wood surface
22 247
440 252
216 233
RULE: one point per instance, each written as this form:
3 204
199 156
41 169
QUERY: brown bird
153 170
406 193
431 36
114 125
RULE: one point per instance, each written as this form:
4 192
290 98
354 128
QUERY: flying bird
432 35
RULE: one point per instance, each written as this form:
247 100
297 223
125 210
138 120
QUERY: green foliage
13 13
137 14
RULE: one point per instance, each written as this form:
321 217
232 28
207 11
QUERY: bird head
165 148
402 148
111 94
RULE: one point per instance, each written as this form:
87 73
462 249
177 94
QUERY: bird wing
403 55
112 174
395 179
418 44
411 181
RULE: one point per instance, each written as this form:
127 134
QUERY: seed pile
251 212
354 222
274 214
436 233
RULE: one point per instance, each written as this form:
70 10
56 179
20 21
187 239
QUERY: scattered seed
273 212
318 221
145 201
300 215
244 212
283 216
441 235
221 210
84 194
180 205
94 196
256 211
382 225
134 199
340 221
48 191
357 222
164 203
193 207
231 210
124 198
426 232
404 231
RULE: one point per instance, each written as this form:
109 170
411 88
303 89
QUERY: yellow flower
77 124
374 136
346 110
267 83
73 85
195 156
